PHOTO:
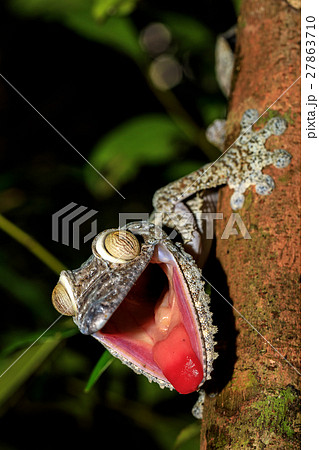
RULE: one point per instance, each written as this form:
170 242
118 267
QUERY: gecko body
141 295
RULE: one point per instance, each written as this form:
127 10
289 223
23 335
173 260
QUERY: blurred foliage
118 32
139 137
190 34
187 434
111 28
103 8
79 15
25 367
103 363
150 139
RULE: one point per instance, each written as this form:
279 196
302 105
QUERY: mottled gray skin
239 167
100 286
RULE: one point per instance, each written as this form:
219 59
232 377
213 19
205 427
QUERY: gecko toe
277 126
249 118
237 201
281 158
265 186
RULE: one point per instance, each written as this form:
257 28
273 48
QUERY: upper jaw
105 295
98 287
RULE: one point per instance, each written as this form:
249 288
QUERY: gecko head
143 298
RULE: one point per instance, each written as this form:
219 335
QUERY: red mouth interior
154 327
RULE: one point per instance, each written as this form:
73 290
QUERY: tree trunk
257 372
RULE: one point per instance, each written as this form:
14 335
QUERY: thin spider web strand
33 343
60 134
252 326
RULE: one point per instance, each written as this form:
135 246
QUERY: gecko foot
246 169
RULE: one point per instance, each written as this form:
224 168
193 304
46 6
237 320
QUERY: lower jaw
169 357
172 361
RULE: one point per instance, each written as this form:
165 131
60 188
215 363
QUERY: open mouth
155 326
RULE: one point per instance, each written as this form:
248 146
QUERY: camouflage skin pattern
239 167
99 286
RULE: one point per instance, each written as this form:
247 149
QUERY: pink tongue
178 362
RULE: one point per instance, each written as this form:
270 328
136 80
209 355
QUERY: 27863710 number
310 47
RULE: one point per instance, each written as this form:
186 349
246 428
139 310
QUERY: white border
310 247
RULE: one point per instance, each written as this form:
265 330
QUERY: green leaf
17 368
24 339
179 169
208 289
188 32
188 433
103 363
104 8
117 32
212 110
143 140
149 394
48 8
237 6
25 290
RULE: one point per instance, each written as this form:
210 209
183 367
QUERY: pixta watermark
66 224
204 222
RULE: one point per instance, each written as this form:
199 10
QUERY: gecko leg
240 167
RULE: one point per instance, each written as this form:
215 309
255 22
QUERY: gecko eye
118 246
62 301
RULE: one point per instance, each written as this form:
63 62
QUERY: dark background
84 89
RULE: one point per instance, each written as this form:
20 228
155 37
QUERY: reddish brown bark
258 405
